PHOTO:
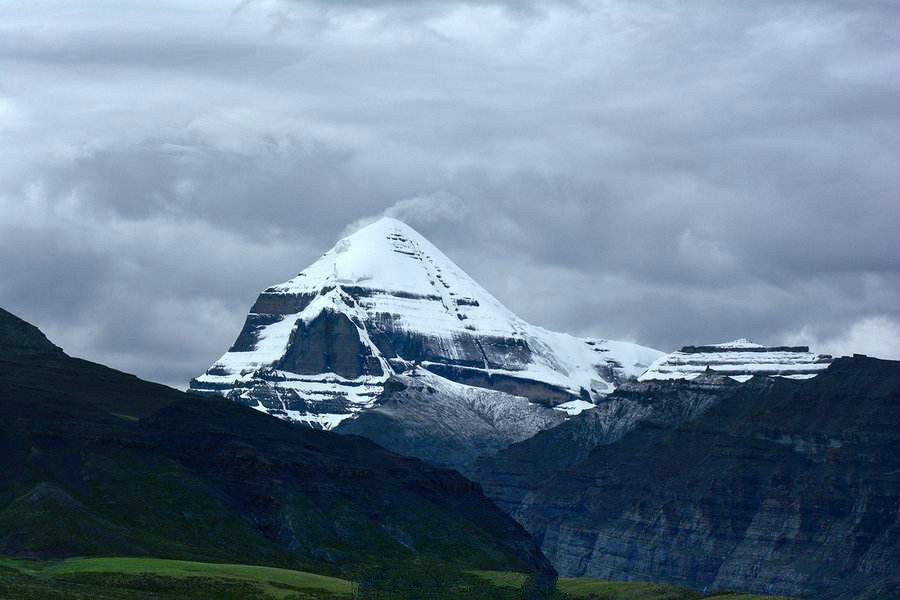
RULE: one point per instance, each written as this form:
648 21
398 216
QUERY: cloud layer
664 172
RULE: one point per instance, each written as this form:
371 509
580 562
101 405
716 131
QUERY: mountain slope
97 462
320 347
513 475
784 487
446 423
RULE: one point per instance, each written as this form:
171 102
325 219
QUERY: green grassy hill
586 588
136 578
145 578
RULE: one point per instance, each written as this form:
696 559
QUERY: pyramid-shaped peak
382 228
320 347
390 256
386 231
386 223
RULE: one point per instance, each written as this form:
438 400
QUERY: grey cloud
667 173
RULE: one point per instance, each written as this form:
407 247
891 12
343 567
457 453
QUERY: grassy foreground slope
585 588
139 578
598 589
144 578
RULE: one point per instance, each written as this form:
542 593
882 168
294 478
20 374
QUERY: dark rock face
329 343
722 349
268 309
395 339
536 391
446 424
275 303
511 476
249 335
97 462
788 487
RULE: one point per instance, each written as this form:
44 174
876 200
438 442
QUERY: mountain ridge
97 462
771 486
740 359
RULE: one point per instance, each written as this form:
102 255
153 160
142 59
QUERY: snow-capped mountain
740 359
320 347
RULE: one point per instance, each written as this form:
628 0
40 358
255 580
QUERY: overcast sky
662 172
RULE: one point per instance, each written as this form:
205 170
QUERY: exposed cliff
785 486
523 468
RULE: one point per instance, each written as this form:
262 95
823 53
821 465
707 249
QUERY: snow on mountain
319 348
448 424
740 359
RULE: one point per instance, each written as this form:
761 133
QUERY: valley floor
145 578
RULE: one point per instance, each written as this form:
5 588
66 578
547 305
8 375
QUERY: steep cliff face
785 486
319 348
515 474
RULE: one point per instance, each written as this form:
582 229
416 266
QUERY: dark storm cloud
664 172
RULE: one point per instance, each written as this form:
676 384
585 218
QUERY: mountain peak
320 347
390 256
389 222
382 229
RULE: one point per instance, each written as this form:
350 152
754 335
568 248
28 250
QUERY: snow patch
575 407
740 360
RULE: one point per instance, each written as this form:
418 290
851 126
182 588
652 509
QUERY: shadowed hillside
97 462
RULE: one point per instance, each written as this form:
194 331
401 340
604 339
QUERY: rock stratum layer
513 477
774 485
320 347
740 360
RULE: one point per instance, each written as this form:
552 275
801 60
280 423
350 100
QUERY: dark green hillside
152 578
95 462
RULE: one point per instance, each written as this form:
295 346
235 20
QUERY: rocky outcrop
329 343
785 486
740 359
448 424
319 348
511 476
